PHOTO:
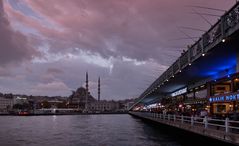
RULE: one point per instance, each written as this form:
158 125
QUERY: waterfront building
104 106
5 104
78 99
20 100
224 95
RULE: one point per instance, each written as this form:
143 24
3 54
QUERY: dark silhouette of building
78 98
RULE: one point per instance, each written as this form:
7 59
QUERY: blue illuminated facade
224 98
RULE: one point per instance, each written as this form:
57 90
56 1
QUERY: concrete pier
201 129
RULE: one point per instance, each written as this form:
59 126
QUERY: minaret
99 89
87 91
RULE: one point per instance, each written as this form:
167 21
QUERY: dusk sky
48 45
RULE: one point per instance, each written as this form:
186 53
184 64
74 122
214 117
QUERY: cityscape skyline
119 72
48 49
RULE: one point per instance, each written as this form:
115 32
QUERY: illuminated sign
152 105
229 97
216 99
179 92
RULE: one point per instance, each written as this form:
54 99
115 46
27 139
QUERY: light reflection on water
80 130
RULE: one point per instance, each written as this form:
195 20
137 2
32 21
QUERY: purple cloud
15 47
49 46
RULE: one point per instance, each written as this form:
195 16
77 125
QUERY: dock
223 130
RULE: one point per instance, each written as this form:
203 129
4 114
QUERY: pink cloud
15 47
134 28
139 30
51 88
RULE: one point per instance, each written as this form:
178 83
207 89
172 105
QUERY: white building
5 104
19 100
104 106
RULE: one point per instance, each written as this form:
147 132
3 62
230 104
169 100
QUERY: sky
47 46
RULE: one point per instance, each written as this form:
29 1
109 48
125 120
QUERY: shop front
179 97
224 96
224 105
196 100
195 106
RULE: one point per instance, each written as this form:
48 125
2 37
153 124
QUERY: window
236 85
201 94
190 95
222 88
221 108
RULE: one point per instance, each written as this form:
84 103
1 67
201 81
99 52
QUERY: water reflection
82 130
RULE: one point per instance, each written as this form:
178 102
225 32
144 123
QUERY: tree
45 104
62 105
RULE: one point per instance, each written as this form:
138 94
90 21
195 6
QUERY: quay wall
226 138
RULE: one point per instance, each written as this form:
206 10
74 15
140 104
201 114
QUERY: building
224 95
6 104
78 99
20 100
104 106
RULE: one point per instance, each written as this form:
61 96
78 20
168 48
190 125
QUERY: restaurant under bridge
199 92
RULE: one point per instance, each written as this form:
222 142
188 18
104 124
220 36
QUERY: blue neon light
225 67
216 99
232 97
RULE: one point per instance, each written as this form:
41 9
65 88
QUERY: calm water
81 130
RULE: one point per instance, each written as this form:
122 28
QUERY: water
82 130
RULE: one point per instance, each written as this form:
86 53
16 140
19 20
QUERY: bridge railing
224 125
